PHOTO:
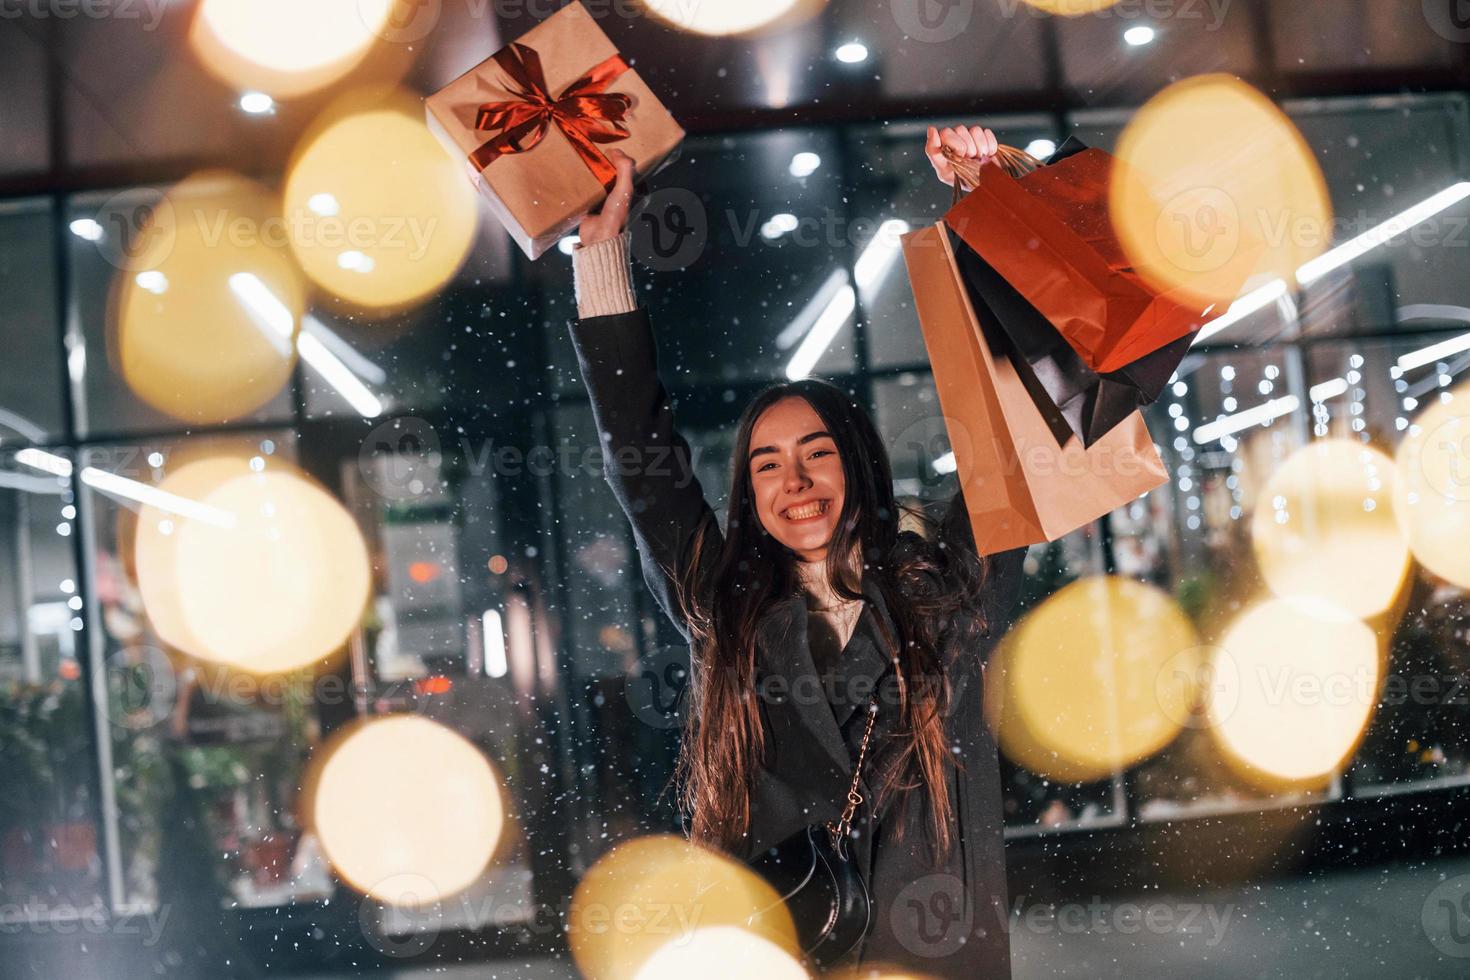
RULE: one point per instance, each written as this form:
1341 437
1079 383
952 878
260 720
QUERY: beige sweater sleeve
603 277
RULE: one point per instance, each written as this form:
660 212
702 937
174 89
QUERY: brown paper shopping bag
1021 483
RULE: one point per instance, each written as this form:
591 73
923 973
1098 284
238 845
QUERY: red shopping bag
1049 235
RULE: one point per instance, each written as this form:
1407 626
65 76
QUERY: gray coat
948 920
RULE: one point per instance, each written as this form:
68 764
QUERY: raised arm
645 459
996 578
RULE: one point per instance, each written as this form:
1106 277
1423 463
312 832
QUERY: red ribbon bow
584 112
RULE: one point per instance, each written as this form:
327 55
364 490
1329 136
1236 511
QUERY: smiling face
796 477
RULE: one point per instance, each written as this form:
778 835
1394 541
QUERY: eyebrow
820 434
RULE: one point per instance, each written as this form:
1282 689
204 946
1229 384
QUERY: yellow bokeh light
721 953
1072 8
1074 692
732 17
255 568
155 543
379 215
1296 681
205 315
1214 185
286 47
1432 497
655 892
407 811
1324 528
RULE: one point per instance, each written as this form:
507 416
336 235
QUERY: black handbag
819 881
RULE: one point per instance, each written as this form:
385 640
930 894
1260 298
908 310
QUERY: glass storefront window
50 851
31 379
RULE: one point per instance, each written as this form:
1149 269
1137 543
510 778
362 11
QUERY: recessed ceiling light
87 229
1139 36
852 52
257 103
778 225
805 163
1041 149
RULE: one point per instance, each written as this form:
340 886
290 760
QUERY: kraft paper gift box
533 121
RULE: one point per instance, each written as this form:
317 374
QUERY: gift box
1023 481
532 123
1048 233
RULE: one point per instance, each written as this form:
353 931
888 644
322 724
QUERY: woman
812 608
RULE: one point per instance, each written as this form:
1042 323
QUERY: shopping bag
1023 481
1048 233
1092 404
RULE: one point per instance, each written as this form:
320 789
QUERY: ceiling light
1041 149
1139 36
1369 240
805 163
778 225
852 53
1231 424
257 103
1328 389
86 229
1434 352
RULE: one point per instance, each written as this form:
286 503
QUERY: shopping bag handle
1017 163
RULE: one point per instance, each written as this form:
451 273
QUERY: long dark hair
922 584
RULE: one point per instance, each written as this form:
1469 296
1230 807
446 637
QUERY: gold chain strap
840 829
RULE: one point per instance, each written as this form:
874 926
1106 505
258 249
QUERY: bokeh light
154 543
721 953
1432 496
1303 679
1324 528
1216 186
1073 693
379 215
286 47
1072 8
733 17
250 566
656 891
205 316
407 810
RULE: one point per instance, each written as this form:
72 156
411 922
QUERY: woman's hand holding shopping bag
970 142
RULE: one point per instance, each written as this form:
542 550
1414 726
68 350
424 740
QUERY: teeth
808 510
